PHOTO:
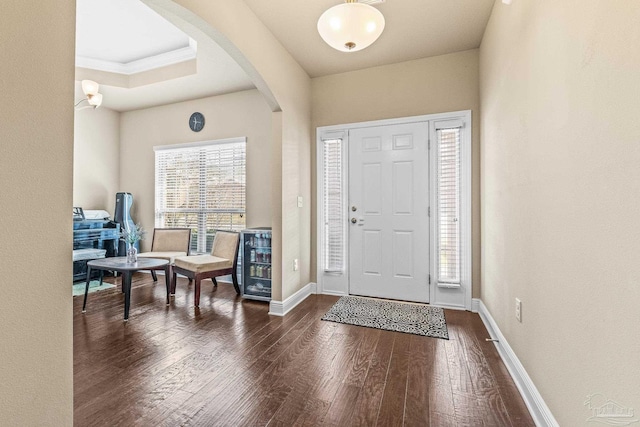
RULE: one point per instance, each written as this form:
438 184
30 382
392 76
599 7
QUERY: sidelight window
448 182
333 193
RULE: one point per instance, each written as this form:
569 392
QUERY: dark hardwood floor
231 364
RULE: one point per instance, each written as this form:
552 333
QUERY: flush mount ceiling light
351 26
93 98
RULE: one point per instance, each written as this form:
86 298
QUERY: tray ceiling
126 34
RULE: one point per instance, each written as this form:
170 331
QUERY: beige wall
560 89
227 116
287 89
424 86
96 158
36 140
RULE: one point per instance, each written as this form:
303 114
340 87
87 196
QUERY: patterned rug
94 285
418 319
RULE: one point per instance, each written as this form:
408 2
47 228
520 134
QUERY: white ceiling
126 31
123 31
414 29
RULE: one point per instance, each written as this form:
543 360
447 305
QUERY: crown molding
141 65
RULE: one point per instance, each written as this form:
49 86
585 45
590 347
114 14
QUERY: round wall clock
196 122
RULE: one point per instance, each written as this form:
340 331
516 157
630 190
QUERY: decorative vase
132 254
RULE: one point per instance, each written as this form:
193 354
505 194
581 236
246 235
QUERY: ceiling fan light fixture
351 26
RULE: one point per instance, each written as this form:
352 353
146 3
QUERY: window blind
201 187
334 207
448 204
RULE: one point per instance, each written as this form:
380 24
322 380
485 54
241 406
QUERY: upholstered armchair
222 261
168 243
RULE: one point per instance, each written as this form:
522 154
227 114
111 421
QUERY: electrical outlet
299 201
295 264
519 310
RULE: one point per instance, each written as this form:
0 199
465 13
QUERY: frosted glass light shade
89 87
95 100
351 27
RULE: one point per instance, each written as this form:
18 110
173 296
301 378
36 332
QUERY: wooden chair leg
172 285
234 278
173 282
196 293
153 274
167 280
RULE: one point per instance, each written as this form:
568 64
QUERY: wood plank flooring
229 363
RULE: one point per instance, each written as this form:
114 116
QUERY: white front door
388 212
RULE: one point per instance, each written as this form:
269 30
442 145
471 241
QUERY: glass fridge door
256 281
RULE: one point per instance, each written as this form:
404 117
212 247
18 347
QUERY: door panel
371 196
372 253
402 254
389 229
403 188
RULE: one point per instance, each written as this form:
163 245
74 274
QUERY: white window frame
202 238
459 297
331 282
445 294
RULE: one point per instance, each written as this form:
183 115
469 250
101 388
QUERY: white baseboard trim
475 305
447 306
334 293
539 410
280 308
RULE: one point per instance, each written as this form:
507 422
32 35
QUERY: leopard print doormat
410 318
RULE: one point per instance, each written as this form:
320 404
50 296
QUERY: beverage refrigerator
256 263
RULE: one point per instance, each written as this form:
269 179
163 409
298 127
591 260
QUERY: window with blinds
448 205
202 187
334 207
